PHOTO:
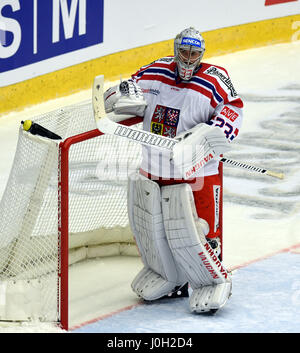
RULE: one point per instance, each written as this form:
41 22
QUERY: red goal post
59 208
63 214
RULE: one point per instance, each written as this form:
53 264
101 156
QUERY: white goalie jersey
174 106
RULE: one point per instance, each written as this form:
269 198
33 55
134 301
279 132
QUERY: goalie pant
207 192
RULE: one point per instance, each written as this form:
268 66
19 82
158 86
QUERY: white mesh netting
98 222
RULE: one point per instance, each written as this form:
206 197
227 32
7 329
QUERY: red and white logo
217 263
229 113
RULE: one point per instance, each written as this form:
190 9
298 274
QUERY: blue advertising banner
35 30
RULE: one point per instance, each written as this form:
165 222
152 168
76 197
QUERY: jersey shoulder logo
214 71
166 59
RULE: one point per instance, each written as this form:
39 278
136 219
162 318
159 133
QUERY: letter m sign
36 30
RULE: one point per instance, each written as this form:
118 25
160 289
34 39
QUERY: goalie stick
110 125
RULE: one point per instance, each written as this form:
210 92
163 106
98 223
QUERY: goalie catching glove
125 98
196 147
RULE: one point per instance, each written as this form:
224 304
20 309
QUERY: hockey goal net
64 202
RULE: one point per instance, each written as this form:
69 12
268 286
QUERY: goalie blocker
172 242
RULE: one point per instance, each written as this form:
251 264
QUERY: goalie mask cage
64 202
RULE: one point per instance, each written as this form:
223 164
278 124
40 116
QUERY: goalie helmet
189 48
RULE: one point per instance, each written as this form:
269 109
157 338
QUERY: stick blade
97 97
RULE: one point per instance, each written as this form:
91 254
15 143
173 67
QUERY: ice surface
266 298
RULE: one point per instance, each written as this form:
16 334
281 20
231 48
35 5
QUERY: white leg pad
209 298
161 273
186 237
149 285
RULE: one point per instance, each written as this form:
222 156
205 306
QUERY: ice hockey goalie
174 200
